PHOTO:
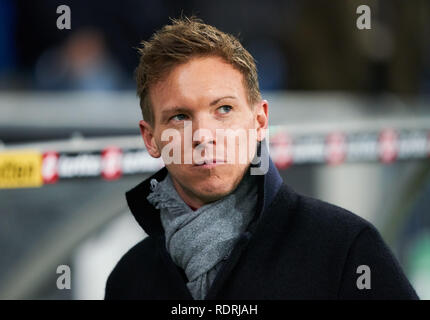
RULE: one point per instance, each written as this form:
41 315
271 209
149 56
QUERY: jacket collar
149 218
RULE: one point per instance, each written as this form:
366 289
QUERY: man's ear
262 119
147 131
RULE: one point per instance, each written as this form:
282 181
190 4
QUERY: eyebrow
219 99
175 110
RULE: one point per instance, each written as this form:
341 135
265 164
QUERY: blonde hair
185 38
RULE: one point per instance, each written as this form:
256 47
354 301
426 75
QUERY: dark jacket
297 247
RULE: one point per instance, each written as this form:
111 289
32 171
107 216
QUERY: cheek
245 144
244 119
169 146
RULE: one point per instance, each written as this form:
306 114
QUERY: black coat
297 247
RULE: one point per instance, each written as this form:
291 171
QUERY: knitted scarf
200 241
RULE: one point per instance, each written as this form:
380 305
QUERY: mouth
209 163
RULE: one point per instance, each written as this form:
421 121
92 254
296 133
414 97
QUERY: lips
210 162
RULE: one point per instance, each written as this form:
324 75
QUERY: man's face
207 94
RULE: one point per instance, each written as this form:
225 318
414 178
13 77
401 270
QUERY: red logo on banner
50 167
111 163
335 148
388 146
282 150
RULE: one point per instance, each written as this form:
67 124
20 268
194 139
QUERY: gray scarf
199 241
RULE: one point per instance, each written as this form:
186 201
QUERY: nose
203 143
204 131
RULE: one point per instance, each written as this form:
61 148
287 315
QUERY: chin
209 184
212 188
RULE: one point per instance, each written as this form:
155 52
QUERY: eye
225 109
178 117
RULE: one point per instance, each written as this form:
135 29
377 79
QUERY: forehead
198 81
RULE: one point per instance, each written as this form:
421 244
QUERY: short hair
182 40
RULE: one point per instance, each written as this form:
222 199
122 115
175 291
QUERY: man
222 224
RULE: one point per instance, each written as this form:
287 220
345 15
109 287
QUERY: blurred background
349 115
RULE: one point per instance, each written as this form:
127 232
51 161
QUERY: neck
192 200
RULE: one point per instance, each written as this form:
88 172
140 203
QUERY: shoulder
319 228
345 241
129 268
318 217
